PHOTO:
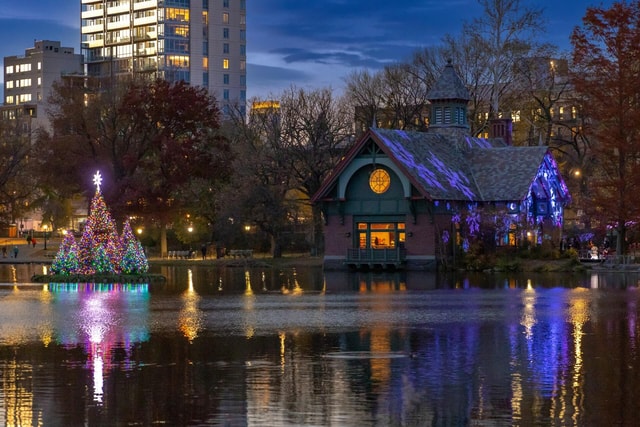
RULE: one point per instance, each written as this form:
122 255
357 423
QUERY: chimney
501 128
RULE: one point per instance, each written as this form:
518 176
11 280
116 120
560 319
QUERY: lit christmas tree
101 249
133 257
66 260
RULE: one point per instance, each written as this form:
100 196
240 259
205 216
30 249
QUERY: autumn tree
606 64
151 140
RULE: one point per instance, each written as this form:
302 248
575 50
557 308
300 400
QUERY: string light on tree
101 249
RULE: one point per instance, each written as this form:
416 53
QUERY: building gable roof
445 167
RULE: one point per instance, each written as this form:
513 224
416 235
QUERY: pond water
236 347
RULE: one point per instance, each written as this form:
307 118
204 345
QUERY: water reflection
261 347
190 318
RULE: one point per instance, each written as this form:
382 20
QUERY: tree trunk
163 240
276 247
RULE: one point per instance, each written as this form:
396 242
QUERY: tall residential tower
202 42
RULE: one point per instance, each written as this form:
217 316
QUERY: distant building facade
29 78
200 42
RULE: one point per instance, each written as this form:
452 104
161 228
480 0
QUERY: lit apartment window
9 69
9 99
39 65
225 18
515 116
225 79
25 97
243 65
205 63
39 81
574 113
225 64
9 84
561 113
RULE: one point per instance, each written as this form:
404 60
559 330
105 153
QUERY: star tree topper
97 180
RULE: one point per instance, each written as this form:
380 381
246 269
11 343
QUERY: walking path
26 252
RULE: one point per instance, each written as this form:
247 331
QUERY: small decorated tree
133 257
66 260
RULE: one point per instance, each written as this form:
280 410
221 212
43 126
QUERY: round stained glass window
379 181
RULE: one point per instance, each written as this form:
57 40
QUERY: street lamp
45 227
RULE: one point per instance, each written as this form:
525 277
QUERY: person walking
15 251
33 242
203 249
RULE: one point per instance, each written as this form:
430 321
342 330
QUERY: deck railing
394 256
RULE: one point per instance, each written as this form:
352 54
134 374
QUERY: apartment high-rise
202 42
28 80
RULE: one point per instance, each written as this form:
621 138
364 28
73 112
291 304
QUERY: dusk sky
307 43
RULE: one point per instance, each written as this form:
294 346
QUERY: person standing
203 249
15 251
33 242
4 252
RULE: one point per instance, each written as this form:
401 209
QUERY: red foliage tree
606 62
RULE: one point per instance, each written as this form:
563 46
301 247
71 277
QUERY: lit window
225 64
9 69
9 84
225 18
243 65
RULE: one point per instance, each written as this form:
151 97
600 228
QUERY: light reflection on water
298 347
